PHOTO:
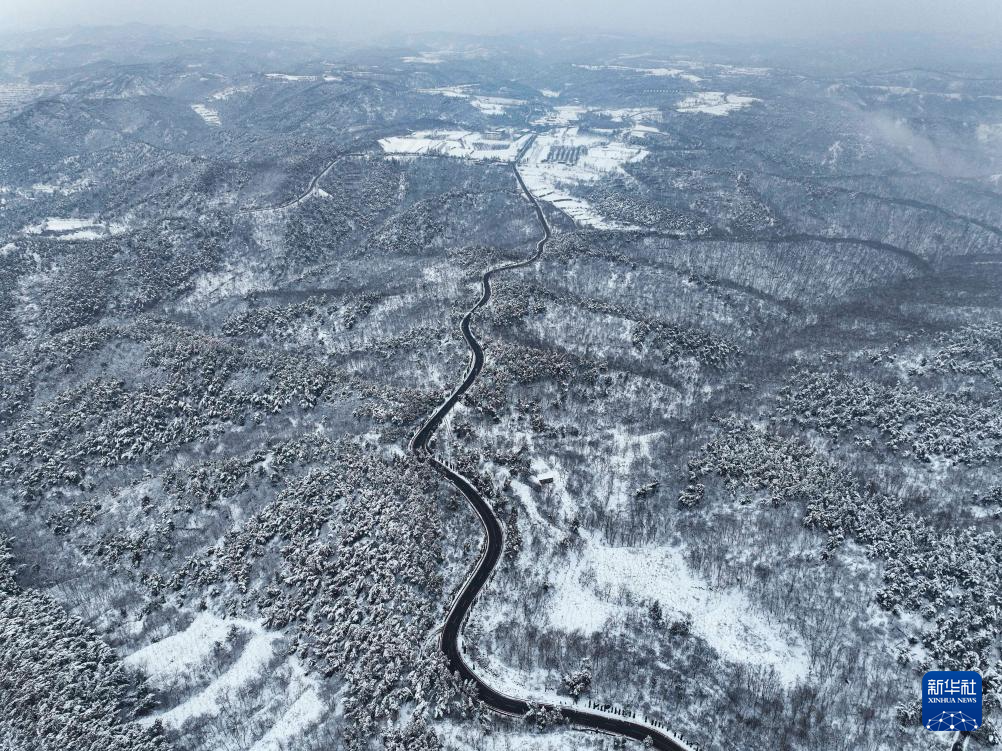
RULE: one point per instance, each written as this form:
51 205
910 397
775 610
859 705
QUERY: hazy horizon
707 21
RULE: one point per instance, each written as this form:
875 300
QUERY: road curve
491 551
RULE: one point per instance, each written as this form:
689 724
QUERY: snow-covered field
459 91
714 103
659 72
74 229
495 105
208 114
489 105
63 186
562 115
586 594
551 181
500 146
640 117
594 587
425 58
569 114
169 660
230 91
741 70
305 711
289 77
177 662
633 114
470 735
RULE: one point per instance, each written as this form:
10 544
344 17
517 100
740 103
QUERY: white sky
705 19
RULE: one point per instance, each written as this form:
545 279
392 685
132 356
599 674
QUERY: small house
544 479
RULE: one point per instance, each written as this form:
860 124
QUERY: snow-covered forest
740 422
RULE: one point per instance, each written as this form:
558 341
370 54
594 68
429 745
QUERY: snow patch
501 146
525 495
633 114
585 593
659 72
489 105
62 187
550 175
670 73
988 132
642 131
739 70
563 115
425 58
232 280
208 114
167 660
288 77
230 91
255 657
461 91
305 712
16 94
495 105
74 229
714 103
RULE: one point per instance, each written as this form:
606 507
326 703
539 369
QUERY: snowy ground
64 186
562 115
537 685
714 103
500 146
208 114
551 181
488 105
177 661
659 72
469 735
602 582
74 229
588 593
232 279
289 77
425 58
549 177
633 114
495 105
229 91
459 91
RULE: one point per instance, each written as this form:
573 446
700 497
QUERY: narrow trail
310 189
449 638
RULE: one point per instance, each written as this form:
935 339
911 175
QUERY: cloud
897 134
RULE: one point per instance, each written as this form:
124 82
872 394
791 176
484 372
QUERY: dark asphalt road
494 534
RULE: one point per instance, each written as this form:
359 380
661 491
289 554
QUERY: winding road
490 556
